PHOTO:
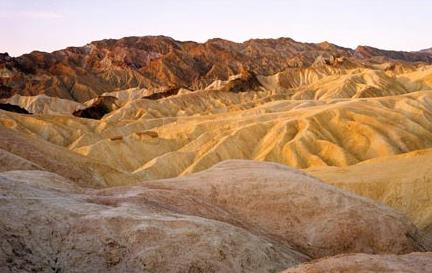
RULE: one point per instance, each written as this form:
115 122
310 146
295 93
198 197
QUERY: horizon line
206 41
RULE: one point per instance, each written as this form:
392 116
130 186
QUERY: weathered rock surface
289 206
240 216
83 73
363 263
371 52
49 225
42 104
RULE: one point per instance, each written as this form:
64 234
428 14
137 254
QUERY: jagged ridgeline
82 73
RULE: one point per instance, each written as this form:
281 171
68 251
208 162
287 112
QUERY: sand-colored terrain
144 138
42 104
403 181
362 263
153 155
239 216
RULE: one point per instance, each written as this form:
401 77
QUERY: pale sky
48 25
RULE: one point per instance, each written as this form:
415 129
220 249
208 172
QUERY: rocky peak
367 52
4 57
82 73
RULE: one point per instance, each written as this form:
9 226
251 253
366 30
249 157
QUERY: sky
47 25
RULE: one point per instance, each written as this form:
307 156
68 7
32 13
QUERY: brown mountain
367 52
427 50
82 73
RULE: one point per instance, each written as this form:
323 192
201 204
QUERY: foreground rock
291 207
363 263
49 225
239 216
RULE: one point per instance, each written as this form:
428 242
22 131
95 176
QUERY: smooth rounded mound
48 224
363 263
286 204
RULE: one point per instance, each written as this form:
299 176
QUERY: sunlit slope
28 152
302 134
42 104
325 82
361 263
319 116
317 82
403 182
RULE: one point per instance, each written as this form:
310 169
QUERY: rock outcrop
154 62
239 216
49 225
368 52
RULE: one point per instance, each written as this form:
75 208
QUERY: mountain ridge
83 73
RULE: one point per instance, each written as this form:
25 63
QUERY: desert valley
148 154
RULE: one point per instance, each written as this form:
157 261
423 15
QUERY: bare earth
153 155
